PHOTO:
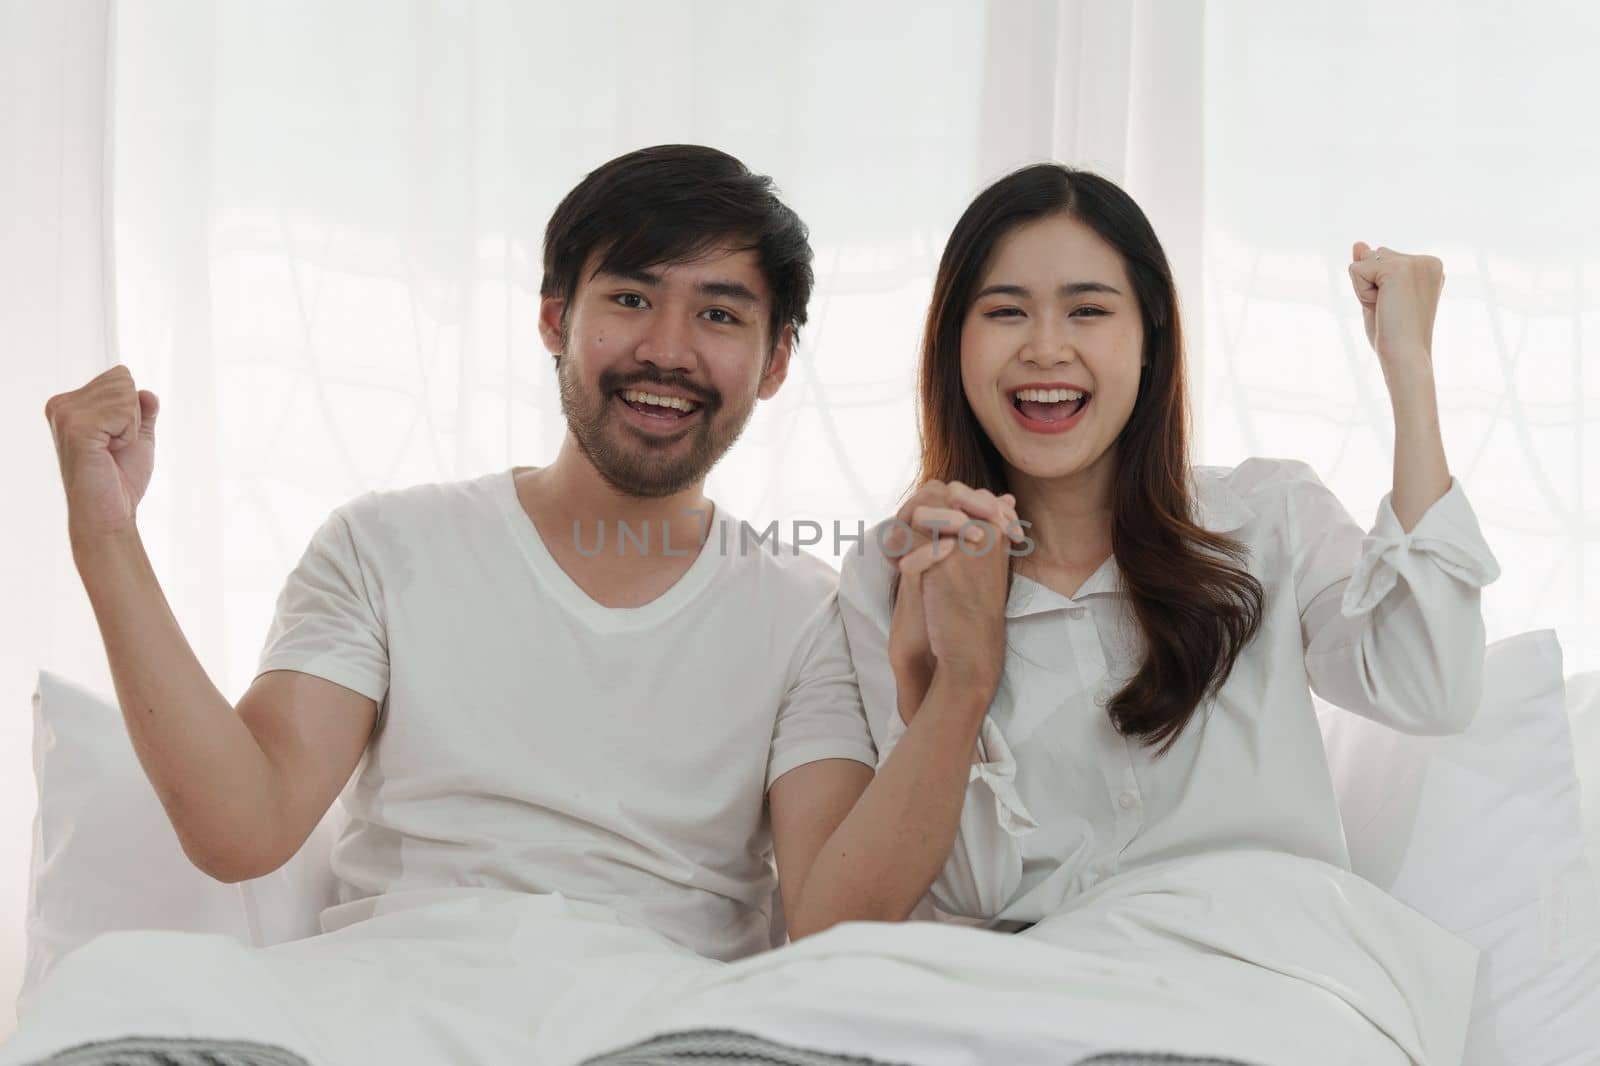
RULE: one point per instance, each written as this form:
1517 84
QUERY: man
566 752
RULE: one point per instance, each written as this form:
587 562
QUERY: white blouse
1387 626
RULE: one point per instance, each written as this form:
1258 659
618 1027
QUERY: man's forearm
210 774
886 853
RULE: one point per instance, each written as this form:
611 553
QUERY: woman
1162 622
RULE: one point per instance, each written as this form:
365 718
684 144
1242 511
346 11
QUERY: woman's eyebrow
1075 288
1078 288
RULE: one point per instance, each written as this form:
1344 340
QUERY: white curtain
313 230
55 288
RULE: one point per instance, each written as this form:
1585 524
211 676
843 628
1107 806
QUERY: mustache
611 381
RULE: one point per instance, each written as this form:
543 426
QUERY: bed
1491 836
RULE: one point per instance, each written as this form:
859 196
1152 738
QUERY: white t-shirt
530 739
1385 625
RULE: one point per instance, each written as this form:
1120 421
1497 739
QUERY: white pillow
1583 711
105 857
1483 833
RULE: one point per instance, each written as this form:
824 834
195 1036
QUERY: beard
630 462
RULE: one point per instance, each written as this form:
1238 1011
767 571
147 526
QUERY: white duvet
1257 956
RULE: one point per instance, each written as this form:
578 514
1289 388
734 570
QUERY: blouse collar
1217 508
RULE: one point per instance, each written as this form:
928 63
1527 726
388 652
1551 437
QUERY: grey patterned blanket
721 1047
171 1051
711 1047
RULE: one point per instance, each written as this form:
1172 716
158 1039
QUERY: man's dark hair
670 204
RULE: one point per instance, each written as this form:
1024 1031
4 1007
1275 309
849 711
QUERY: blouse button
1127 800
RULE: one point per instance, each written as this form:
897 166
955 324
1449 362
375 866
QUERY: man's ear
777 365
551 308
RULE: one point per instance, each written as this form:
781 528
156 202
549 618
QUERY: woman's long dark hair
1190 593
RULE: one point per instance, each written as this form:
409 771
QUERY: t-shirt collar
579 604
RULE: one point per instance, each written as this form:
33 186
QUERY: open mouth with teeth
1049 408
658 407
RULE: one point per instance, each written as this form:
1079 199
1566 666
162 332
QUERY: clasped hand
951 545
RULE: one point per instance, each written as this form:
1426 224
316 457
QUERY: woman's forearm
1421 474
910 689
886 853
